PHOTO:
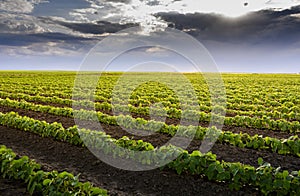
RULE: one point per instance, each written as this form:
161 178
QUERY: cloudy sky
241 35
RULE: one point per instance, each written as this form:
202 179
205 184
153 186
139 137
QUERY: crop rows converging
257 146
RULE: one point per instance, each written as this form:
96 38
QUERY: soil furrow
173 121
62 156
10 187
224 152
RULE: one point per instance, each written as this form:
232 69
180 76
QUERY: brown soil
169 121
224 152
12 187
62 156
174 121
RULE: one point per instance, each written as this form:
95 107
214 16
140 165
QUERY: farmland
257 150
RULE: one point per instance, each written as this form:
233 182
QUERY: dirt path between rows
12 188
224 152
65 157
175 121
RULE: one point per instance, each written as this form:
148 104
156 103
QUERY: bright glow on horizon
143 11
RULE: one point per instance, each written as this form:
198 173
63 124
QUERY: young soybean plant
41 182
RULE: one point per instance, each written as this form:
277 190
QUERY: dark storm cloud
27 39
265 26
100 27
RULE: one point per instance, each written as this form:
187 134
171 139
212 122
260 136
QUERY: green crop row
291 113
281 146
247 92
41 182
279 102
266 178
240 121
288 112
269 180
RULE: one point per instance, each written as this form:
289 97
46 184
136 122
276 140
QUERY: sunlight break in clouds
143 11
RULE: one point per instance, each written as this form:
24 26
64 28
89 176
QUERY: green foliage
195 163
290 146
40 182
266 102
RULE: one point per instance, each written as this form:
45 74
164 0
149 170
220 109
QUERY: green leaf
46 182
